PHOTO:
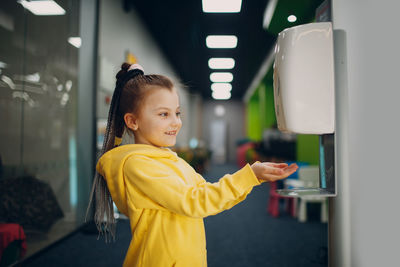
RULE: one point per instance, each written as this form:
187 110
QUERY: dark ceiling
181 27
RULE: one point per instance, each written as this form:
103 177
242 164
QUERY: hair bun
125 66
128 72
136 66
124 69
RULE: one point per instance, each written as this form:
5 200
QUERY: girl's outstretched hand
273 171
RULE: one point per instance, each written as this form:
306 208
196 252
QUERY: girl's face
158 121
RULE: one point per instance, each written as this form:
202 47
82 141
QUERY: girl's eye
164 114
178 114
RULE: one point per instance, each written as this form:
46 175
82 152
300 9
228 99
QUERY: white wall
193 116
120 32
365 217
235 119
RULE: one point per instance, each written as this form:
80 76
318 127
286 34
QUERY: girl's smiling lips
171 133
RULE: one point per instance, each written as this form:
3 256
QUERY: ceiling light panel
75 41
221 77
221 63
43 7
226 87
221 41
221 6
221 95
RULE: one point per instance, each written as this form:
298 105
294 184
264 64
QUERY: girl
164 198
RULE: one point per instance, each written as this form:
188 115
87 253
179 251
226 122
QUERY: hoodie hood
111 166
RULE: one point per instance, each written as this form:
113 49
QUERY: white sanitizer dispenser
304 95
304 79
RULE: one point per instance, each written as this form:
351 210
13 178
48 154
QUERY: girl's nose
176 120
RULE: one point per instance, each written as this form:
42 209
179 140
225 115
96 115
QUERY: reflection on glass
38 78
43 7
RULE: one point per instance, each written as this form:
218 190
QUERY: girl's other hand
273 171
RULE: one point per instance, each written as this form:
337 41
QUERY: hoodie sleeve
161 184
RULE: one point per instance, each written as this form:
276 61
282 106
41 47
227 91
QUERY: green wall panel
253 118
308 148
270 118
262 106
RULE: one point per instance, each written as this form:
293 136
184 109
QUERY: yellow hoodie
166 201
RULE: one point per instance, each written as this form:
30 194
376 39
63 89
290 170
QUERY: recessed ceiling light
221 6
75 41
221 77
221 95
292 18
43 7
221 87
219 110
221 63
221 41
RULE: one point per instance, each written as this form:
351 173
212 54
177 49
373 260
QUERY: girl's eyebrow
160 108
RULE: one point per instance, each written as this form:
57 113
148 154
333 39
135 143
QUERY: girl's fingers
279 165
292 166
284 168
278 174
288 172
273 171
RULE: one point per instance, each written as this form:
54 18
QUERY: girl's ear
131 121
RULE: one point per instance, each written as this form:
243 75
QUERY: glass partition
38 113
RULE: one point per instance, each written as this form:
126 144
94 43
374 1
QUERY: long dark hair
131 88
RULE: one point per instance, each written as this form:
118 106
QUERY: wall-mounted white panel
304 79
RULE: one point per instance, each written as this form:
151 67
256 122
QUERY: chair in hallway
273 202
309 176
12 243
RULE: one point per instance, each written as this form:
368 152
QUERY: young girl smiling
163 196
